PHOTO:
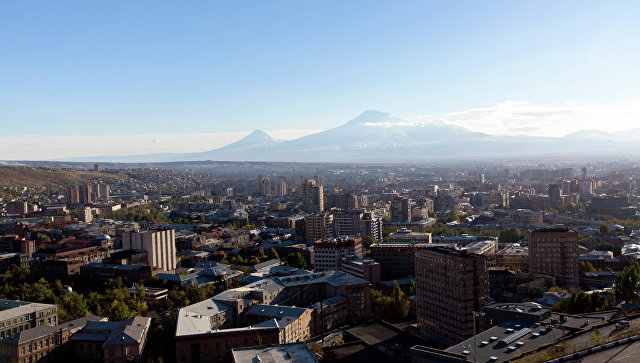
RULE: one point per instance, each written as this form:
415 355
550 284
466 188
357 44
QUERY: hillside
17 176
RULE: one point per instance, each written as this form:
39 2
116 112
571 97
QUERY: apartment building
328 253
554 251
450 285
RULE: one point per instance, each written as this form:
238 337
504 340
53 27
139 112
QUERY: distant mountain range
376 136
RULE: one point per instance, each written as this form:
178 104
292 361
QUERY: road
627 353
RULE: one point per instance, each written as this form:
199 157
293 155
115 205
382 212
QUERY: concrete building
16 316
401 209
318 226
367 269
159 244
328 253
264 185
17 207
397 260
450 285
294 352
84 214
111 341
405 236
84 194
313 196
42 343
514 256
554 251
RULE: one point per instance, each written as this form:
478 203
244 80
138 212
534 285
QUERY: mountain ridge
379 136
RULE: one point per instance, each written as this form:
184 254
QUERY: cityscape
227 182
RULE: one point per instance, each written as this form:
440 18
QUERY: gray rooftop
295 352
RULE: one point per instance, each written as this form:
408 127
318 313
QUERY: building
407 236
367 269
111 341
328 253
280 187
514 256
555 195
209 330
73 195
84 214
318 226
84 194
42 343
16 316
8 259
397 260
294 352
450 285
401 209
554 251
614 206
17 207
264 185
348 223
313 196
159 244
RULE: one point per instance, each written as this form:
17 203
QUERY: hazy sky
90 71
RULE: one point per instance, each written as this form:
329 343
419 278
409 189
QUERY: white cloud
526 118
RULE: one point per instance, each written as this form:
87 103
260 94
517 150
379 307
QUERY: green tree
273 254
605 229
585 266
195 294
400 306
260 253
368 241
412 288
296 260
510 235
626 283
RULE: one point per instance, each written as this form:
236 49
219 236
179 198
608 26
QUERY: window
111 352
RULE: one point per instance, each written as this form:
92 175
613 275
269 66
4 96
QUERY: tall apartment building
401 209
313 196
159 244
280 187
84 194
555 195
328 253
554 251
450 285
17 207
73 195
264 185
318 226
84 214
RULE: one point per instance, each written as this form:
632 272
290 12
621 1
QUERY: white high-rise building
159 244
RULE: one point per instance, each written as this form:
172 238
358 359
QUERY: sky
120 77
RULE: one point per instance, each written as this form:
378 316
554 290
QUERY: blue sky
147 67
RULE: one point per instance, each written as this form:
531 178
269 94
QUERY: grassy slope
16 176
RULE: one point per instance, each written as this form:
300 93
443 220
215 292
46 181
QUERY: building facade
554 251
159 244
450 285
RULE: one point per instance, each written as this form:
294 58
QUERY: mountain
255 141
375 136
